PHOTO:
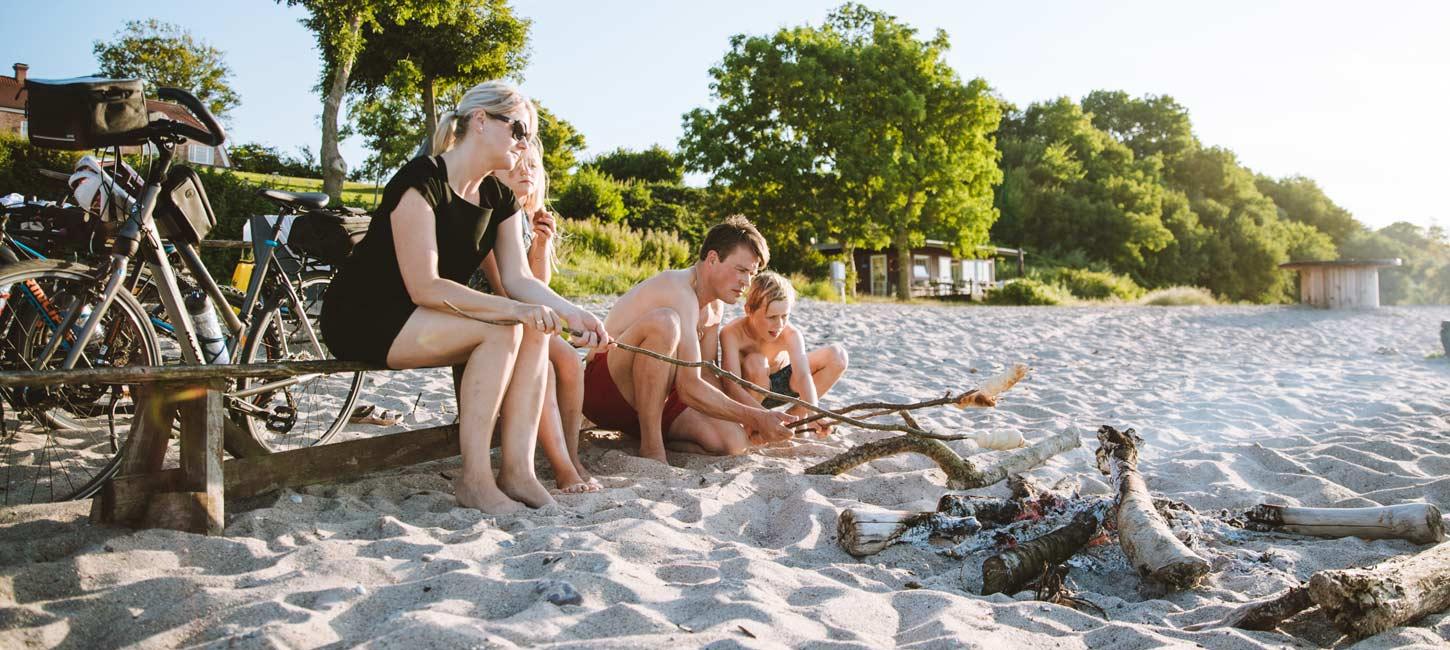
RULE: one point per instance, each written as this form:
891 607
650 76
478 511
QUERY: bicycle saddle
310 200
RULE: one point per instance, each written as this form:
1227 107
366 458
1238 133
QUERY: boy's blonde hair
767 288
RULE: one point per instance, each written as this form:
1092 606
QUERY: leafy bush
1027 291
1094 285
1179 296
610 258
590 194
20 166
820 289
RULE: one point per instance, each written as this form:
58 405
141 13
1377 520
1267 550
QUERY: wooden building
934 270
12 120
1340 284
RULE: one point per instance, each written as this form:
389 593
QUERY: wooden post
191 499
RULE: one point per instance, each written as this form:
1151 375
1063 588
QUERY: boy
765 348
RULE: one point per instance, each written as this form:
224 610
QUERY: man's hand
821 428
766 426
595 337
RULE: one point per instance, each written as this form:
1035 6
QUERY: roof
930 243
12 95
1341 264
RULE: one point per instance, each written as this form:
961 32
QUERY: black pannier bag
327 236
85 113
183 214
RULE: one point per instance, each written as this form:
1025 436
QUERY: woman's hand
594 334
544 226
538 317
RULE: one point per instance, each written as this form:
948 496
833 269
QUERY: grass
357 194
1178 296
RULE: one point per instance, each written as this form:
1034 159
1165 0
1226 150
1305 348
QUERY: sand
1237 405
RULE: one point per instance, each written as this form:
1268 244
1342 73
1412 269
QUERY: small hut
1340 284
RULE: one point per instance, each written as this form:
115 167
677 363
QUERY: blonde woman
389 304
564 401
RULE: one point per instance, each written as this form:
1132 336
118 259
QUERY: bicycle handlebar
213 136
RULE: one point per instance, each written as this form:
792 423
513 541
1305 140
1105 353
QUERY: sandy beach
1237 406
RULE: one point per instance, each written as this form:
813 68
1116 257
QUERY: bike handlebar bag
183 214
85 113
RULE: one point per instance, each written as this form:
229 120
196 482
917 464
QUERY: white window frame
194 155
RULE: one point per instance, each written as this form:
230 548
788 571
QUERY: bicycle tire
125 338
329 398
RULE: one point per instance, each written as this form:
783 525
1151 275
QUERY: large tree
856 130
165 55
655 164
471 42
561 141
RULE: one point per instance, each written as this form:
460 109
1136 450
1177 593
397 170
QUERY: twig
745 383
885 408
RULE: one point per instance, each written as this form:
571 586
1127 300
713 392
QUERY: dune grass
1178 297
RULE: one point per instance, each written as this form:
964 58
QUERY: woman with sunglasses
393 301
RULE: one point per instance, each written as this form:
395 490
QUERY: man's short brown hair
735 231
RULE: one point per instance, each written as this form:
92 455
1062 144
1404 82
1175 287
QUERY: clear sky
1355 95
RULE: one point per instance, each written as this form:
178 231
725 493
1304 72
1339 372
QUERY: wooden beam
342 461
181 374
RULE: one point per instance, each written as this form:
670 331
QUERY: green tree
469 42
562 143
590 194
165 55
1300 199
856 130
1152 125
655 164
390 120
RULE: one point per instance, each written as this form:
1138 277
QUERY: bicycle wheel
311 409
41 461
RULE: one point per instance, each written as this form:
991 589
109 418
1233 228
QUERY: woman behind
564 400
389 304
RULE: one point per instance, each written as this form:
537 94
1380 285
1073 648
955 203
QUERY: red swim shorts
607 408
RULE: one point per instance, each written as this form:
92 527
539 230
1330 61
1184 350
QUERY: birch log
961 474
1365 601
1009 571
1417 522
1149 544
868 532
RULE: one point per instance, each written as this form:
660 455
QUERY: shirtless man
678 313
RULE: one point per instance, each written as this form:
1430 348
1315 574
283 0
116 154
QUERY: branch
961 474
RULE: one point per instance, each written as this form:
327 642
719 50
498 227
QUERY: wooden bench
193 497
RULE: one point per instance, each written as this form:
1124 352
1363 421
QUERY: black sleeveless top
367 303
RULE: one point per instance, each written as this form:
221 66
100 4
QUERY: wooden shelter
1340 284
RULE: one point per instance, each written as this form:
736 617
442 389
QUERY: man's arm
701 396
710 351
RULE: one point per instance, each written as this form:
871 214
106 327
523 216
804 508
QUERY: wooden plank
225 243
158 374
246 477
201 457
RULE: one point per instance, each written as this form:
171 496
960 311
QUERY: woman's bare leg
433 338
552 441
523 403
569 391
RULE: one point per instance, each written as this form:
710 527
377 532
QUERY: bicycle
270 323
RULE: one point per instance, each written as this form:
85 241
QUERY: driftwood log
1146 539
962 474
1263 615
1009 571
1417 522
1365 601
863 532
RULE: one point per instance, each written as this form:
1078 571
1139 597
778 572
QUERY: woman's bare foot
525 489
487 498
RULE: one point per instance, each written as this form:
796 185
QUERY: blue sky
1352 94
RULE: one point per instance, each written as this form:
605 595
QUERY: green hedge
599 258
20 166
1093 285
1027 291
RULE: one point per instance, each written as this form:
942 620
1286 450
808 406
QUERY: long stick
726 374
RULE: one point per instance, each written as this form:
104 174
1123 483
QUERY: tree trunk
430 109
1009 571
1417 522
902 244
1146 539
852 273
1370 600
334 168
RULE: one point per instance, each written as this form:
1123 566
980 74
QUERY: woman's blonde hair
492 97
538 200
767 288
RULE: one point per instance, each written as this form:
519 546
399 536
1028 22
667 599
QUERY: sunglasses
517 128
